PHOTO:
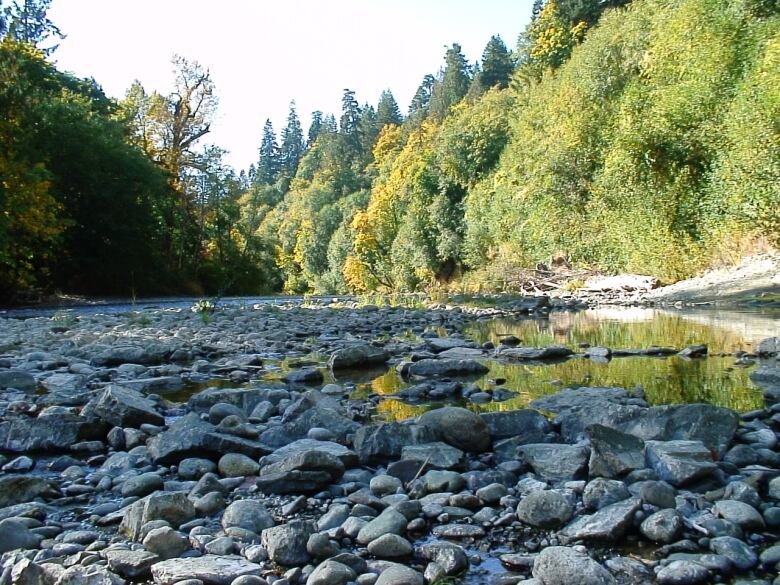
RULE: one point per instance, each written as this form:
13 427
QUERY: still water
665 380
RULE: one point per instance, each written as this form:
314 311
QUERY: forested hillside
626 136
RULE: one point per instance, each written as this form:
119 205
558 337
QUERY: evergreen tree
387 111
497 64
418 109
368 128
329 124
453 84
268 164
292 143
350 119
26 22
537 9
315 128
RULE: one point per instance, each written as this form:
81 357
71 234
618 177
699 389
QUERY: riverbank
122 462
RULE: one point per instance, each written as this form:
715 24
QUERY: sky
262 54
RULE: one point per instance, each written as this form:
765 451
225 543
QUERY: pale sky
262 54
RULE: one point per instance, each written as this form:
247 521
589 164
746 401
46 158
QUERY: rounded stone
390 546
247 514
663 526
545 509
237 465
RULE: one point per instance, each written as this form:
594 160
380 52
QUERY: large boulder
14 534
680 462
123 407
556 462
560 565
244 398
458 427
209 569
183 439
348 457
768 347
18 380
357 356
250 515
545 509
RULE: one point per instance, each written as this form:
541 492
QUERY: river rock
209 569
768 347
556 462
18 380
390 546
683 573
173 507
123 407
739 553
331 572
602 492
399 575
348 457
528 425
427 368
545 509
536 353
438 454
743 515
385 441
47 433
237 465
679 462
390 521
133 564
184 439
20 489
165 542
90 575
608 524
286 543
142 485
357 356
664 526
458 427
612 452
307 471
450 557
14 534
250 515
559 565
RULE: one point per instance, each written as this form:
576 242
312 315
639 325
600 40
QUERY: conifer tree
387 111
268 162
292 143
453 84
497 64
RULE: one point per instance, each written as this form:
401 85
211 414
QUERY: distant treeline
641 136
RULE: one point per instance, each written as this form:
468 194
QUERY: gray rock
682 573
768 347
335 516
383 485
173 507
133 564
613 453
438 454
166 543
20 489
306 471
142 485
348 457
184 439
390 546
90 575
399 575
559 565
603 492
250 515
664 526
389 521
556 462
385 441
123 407
536 353
286 543
679 462
458 427
357 356
443 481
14 534
741 514
17 379
608 524
627 571
446 367
450 557
210 569
545 509
195 468
47 433
739 553
331 573
527 424
304 376
237 465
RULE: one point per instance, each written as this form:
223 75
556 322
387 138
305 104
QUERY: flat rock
613 453
173 507
607 524
123 407
529 425
556 462
458 427
439 455
536 353
444 367
560 565
357 356
545 509
679 462
210 569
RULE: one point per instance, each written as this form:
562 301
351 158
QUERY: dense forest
623 135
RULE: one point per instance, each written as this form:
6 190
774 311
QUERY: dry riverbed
123 460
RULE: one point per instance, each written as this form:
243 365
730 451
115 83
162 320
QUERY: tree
497 65
268 164
293 146
315 128
350 119
26 22
452 85
387 111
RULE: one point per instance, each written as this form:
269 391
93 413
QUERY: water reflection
667 380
